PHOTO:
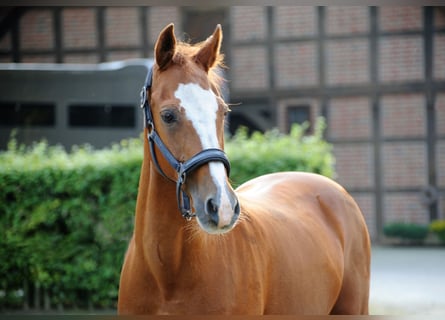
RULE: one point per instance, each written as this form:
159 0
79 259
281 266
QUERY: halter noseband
181 168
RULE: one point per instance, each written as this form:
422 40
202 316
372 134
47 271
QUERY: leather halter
181 168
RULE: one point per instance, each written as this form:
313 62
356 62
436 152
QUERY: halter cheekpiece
181 168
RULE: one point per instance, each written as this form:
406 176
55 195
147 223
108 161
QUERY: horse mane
186 52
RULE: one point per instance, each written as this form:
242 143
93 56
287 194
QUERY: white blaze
201 109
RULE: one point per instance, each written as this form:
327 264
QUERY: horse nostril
237 208
212 210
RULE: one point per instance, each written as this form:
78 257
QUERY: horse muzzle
215 203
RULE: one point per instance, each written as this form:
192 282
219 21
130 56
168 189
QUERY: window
296 111
102 116
27 114
297 114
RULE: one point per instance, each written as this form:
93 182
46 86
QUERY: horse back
308 201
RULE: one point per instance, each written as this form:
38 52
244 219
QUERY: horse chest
209 297
209 286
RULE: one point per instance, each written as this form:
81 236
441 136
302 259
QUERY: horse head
186 115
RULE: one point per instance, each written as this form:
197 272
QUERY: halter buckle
187 215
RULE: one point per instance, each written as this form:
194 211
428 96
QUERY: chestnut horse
283 243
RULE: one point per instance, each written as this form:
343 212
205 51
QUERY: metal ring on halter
143 95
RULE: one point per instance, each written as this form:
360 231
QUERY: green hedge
414 233
65 221
408 232
272 151
438 228
66 218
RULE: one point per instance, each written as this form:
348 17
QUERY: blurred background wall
377 75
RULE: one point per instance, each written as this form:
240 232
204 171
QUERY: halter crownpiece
182 168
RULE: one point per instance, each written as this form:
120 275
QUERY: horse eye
168 116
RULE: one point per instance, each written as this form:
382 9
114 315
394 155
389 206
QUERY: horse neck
159 227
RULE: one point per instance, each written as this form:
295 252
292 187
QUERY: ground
407 280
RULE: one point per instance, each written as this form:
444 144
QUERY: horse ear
165 46
208 54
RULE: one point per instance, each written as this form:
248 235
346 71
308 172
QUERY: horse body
299 246
313 259
317 241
